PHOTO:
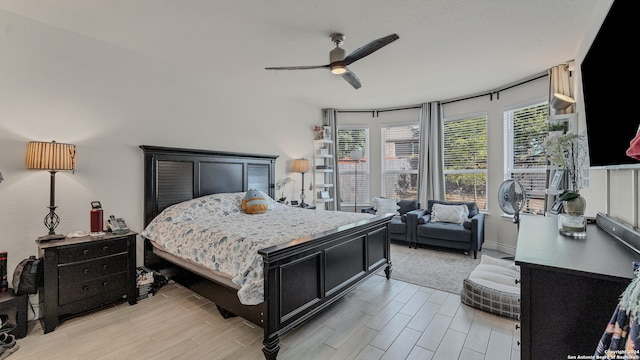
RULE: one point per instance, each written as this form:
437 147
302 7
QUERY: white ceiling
447 48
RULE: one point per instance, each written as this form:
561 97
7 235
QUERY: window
525 157
354 175
465 159
401 146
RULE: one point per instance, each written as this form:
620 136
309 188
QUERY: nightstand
9 301
85 273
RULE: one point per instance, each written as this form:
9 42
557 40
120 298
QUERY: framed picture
557 207
326 132
557 180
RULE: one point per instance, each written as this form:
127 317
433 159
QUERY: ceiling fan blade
352 79
370 48
298 67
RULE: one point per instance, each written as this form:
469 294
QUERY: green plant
280 185
568 195
567 151
556 126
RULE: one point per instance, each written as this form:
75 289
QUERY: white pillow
449 213
383 206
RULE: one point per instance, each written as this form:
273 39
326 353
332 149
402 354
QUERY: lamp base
51 237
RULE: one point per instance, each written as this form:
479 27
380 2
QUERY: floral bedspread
214 231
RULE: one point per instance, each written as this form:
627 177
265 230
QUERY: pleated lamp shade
301 165
51 156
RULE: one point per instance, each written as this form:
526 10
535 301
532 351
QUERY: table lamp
301 166
51 156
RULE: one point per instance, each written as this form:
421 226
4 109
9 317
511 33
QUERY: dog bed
492 287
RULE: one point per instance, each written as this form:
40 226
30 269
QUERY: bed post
271 348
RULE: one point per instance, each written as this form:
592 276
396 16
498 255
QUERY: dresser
85 273
569 287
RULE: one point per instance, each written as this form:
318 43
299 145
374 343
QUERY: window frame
510 171
383 158
482 171
363 169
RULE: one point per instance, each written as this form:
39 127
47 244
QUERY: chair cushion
444 231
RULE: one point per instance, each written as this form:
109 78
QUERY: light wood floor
381 319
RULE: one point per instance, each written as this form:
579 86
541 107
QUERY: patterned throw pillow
383 206
449 213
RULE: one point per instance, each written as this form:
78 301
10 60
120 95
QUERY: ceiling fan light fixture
338 69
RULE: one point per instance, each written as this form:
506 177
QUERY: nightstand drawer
91 269
90 250
87 289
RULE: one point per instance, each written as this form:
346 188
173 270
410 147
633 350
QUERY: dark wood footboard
303 278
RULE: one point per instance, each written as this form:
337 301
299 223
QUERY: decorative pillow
254 202
272 203
449 213
473 207
383 206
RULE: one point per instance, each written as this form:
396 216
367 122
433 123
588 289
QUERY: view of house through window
525 157
465 159
401 146
354 175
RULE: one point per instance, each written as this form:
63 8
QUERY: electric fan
511 198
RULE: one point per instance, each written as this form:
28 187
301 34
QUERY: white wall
57 85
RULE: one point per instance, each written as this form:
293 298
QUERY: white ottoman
492 287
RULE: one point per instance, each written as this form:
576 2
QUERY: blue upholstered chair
398 228
467 235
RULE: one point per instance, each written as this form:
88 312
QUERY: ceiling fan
338 62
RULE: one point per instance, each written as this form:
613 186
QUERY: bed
301 277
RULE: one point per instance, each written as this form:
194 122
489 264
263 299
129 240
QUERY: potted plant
556 128
567 152
280 185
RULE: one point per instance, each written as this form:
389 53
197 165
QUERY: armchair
398 229
465 233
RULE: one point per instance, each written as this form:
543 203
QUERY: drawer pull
85 251
105 248
85 270
104 283
85 288
105 266
517 281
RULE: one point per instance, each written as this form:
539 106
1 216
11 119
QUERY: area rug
439 269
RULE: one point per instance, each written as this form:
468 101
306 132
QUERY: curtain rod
498 90
374 112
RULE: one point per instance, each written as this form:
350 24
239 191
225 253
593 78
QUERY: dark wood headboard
173 175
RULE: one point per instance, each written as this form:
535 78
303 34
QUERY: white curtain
431 173
330 120
560 82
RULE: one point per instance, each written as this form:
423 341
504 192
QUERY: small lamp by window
561 102
53 157
302 166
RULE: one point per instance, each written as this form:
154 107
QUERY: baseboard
620 230
493 245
